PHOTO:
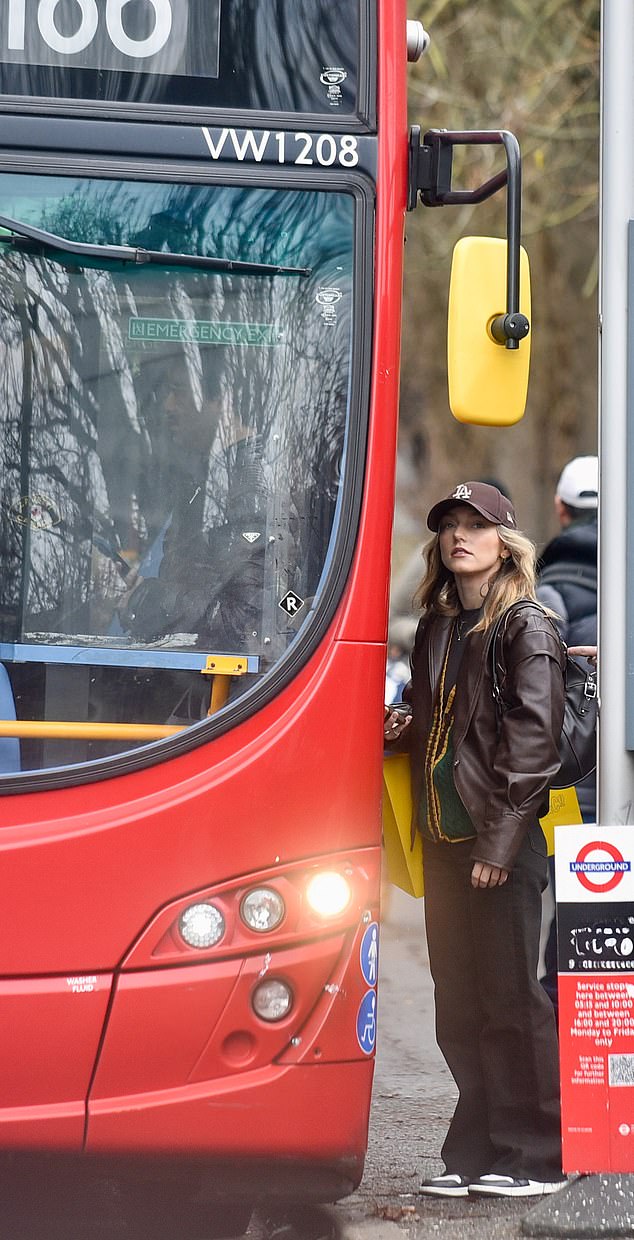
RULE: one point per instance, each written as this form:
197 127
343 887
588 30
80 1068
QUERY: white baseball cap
578 485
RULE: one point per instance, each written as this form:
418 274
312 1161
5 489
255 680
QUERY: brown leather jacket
503 764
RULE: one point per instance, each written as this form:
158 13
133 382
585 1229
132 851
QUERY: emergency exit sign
203 331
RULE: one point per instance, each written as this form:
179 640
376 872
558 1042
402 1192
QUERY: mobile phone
401 708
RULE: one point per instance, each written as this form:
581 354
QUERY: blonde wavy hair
515 579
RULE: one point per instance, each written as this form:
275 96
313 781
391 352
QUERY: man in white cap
568 565
568 584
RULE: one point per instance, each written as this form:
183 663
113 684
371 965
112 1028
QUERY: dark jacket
568 581
568 585
503 765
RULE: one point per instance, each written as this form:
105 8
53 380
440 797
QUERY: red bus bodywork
116 1037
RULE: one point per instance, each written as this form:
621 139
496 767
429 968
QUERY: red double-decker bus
201 218
201 227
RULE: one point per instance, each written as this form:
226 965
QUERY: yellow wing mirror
488 382
489 300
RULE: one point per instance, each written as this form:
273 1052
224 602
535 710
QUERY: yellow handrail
61 730
220 667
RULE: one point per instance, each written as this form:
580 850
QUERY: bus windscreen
292 56
171 441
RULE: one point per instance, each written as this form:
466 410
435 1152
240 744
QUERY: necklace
460 627
465 622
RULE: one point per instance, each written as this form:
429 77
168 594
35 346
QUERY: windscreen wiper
137 254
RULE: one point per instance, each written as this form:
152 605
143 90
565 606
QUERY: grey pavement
413 1101
594 1205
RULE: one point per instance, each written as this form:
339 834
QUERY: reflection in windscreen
275 55
171 443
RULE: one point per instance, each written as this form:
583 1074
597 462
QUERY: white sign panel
594 864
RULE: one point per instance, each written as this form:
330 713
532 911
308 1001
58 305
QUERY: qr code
621 1069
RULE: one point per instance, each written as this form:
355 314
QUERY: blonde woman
480 781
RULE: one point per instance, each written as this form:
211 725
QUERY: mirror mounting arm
430 169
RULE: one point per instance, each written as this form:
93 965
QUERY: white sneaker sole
533 1189
463 1191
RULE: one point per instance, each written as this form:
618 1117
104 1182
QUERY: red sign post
595 917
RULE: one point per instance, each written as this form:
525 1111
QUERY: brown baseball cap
486 500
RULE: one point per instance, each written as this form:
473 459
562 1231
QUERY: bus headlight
262 909
201 925
328 893
272 1000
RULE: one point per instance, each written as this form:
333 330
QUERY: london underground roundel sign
600 866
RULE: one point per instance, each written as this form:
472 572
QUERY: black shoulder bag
578 742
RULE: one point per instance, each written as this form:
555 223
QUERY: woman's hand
394 723
586 652
484 875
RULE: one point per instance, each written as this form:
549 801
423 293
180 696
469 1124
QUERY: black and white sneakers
453 1185
447 1185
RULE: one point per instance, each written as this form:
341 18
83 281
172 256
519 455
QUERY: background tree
531 66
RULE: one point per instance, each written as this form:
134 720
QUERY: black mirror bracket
430 171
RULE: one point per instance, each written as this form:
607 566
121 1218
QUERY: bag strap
500 626
495 689
589 674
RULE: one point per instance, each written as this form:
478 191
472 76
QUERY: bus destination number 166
113 34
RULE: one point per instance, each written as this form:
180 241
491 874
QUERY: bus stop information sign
594 869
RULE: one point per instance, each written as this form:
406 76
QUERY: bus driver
204 502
